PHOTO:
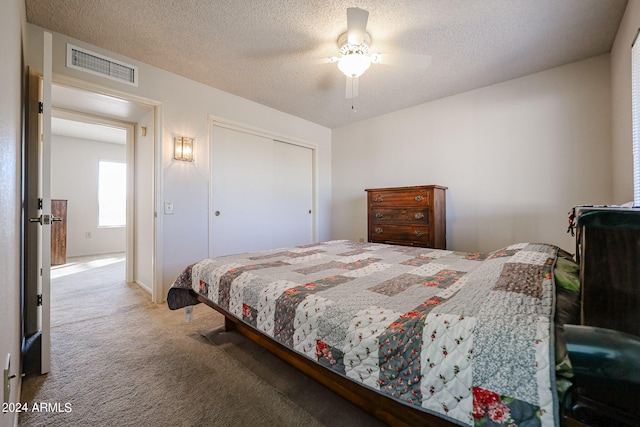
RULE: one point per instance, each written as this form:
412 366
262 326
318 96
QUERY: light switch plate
168 208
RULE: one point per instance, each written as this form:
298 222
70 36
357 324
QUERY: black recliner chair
606 382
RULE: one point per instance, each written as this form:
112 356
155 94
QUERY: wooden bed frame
389 411
385 409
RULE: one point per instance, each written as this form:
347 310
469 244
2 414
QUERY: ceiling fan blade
356 25
352 87
419 62
307 63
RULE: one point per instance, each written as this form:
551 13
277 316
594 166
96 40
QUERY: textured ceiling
239 46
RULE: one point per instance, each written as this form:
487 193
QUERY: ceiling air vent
90 62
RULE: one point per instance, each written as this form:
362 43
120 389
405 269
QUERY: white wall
516 157
74 177
12 19
143 203
185 109
621 135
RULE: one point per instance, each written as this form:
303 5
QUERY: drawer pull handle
378 230
419 215
418 233
378 199
379 215
419 198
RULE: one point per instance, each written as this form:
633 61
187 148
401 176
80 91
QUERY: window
112 194
635 111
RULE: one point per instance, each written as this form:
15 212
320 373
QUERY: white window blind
635 111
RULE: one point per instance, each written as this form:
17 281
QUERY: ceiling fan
355 58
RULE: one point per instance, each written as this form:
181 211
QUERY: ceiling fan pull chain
352 97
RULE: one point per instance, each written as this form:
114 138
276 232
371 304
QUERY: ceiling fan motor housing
347 48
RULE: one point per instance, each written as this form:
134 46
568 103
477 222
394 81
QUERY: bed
412 335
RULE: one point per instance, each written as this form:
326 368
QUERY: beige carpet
117 359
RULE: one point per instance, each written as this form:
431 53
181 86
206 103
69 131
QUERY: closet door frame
218 122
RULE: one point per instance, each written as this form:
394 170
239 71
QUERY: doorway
74 97
92 131
88 187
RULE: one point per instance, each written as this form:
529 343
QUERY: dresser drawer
407 234
415 216
411 198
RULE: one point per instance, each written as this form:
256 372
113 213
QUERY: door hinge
40 107
39 300
40 203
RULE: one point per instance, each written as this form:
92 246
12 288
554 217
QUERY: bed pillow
567 273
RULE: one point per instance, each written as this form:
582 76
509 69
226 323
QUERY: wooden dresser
59 232
410 216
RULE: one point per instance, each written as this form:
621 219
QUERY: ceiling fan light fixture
354 65
354 61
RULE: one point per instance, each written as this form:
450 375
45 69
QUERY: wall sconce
183 148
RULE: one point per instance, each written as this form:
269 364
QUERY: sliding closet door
262 192
241 191
293 190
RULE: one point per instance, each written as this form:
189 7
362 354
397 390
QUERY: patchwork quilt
467 336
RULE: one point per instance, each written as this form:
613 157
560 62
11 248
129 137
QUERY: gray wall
621 135
516 156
